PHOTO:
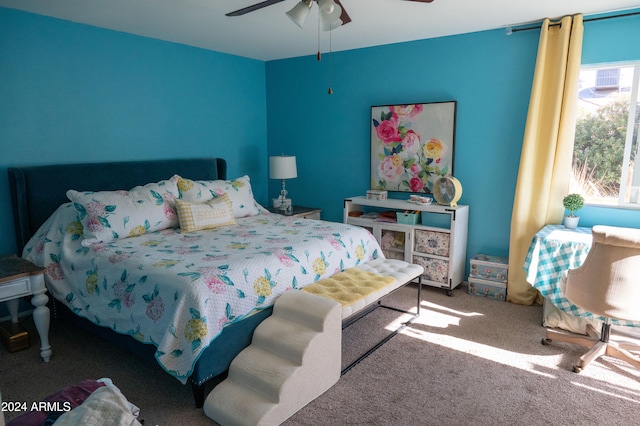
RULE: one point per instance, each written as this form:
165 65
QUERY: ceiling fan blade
422 1
344 17
253 7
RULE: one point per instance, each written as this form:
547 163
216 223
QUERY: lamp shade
330 14
299 13
283 167
326 6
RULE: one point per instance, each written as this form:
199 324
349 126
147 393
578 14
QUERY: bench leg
393 333
418 302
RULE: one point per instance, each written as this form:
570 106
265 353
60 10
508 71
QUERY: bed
189 300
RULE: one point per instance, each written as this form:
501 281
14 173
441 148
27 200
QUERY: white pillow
109 215
239 191
207 215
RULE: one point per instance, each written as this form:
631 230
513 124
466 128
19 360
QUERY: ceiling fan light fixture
330 14
299 13
332 25
326 6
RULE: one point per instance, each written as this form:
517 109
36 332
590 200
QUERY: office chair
607 284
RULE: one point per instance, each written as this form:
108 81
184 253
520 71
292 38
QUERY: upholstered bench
360 290
295 354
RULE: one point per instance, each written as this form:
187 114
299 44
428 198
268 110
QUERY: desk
553 250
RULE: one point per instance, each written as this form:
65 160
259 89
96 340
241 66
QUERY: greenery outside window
606 141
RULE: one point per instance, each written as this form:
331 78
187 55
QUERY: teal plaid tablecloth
553 250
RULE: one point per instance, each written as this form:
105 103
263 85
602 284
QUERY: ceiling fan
332 13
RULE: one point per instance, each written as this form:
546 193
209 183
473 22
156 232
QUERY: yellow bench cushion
349 286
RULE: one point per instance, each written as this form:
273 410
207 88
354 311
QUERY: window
606 141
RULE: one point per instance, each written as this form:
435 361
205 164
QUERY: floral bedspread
177 291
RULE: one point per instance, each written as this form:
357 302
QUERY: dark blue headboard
37 191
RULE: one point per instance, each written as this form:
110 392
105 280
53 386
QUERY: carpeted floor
465 360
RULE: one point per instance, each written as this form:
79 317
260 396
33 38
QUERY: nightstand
300 212
18 278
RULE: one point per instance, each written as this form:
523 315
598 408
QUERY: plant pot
571 222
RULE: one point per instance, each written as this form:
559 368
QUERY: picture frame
412 145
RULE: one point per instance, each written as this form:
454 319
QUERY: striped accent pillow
211 214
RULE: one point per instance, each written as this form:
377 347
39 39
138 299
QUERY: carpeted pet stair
294 357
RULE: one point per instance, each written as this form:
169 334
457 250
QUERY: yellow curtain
547 148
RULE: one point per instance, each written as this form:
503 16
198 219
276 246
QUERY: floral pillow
109 215
239 191
61 225
207 215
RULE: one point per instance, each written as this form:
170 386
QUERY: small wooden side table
18 278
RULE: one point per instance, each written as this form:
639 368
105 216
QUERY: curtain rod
511 30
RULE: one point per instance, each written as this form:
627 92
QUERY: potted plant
573 203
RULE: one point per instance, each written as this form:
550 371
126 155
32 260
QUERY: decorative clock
447 190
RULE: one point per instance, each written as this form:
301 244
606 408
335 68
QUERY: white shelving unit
438 241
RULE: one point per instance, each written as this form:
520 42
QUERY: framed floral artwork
412 145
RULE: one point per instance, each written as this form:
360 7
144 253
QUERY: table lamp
283 167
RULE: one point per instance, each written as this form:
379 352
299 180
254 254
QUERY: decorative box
14 337
435 270
376 194
485 288
491 268
432 242
407 218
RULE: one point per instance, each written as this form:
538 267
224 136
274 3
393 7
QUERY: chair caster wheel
449 293
577 369
545 341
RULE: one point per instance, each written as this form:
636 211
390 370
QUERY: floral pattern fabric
239 191
108 215
177 291
411 145
435 270
432 242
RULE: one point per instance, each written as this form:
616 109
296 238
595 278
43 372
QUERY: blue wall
488 73
75 93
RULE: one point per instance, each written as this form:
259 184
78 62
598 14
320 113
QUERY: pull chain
330 91
319 55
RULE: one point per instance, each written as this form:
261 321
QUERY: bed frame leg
198 394
201 391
